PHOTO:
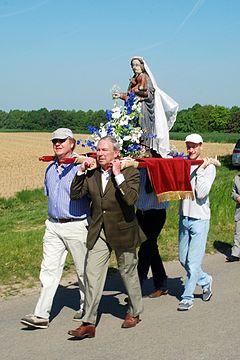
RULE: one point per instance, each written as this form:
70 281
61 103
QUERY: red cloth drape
170 177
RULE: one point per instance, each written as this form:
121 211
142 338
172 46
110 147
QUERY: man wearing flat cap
66 230
194 225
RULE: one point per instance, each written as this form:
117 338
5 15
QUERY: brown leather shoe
158 293
83 331
130 321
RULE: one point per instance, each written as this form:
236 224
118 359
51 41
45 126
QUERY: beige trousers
58 240
96 272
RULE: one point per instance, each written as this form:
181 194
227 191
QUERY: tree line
199 118
208 118
45 120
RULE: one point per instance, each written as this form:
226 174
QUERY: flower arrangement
175 153
122 124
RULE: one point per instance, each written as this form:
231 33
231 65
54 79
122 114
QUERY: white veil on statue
165 109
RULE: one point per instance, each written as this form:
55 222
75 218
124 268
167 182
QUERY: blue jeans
192 243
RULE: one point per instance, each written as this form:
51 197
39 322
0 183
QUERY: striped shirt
147 201
57 185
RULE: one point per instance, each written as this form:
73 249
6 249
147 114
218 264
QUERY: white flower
123 121
116 112
116 115
103 132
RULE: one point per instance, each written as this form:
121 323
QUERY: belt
66 220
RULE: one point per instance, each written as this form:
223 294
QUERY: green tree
56 119
3 119
219 118
234 123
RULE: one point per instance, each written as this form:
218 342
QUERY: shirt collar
64 165
105 172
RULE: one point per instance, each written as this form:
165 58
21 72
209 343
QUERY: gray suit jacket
235 195
112 209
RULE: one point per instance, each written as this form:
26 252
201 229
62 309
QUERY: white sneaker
207 291
35 321
185 305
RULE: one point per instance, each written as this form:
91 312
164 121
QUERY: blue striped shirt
147 201
57 185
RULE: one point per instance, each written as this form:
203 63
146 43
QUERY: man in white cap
66 230
194 225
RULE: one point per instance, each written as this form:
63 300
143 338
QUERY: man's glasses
54 141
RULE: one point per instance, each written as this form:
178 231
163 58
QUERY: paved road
207 331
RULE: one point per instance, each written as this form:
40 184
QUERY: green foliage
234 123
207 118
219 118
44 120
218 137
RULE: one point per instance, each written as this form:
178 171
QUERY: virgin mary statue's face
137 66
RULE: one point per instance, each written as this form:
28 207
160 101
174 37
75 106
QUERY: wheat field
21 169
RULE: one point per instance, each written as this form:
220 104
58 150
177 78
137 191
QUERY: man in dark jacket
113 225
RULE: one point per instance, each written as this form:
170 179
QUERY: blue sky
67 54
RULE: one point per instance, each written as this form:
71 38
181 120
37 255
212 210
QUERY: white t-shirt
201 181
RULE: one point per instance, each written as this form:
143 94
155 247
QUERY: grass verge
209 137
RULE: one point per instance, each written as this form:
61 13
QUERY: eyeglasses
54 141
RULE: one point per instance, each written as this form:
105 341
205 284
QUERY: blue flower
108 115
178 154
89 143
93 129
110 130
129 103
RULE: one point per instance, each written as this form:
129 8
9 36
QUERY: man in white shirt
194 225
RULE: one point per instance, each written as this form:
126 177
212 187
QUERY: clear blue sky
67 54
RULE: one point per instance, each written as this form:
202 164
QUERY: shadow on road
222 247
68 296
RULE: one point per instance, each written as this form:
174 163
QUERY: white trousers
59 238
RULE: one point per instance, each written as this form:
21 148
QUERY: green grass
209 137
22 227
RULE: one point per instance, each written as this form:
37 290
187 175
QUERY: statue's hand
116 95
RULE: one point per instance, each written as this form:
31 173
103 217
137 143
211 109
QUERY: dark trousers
151 222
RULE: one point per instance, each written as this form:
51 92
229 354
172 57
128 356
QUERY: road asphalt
209 330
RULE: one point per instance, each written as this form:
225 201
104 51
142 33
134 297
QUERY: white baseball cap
194 138
62 133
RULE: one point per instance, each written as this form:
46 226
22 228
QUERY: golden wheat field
20 168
